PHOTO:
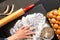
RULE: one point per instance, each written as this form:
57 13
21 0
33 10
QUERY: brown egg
49 15
55 26
52 21
58 36
54 16
59 23
58 31
58 18
55 12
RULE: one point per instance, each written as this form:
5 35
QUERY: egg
58 31
53 21
49 15
54 16
55 12
55 26
58 36
58 18
59 23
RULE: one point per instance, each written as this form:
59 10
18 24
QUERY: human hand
24 32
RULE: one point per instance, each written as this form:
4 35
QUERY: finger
28 37
32 28
31 33
28 26
27 31
22 27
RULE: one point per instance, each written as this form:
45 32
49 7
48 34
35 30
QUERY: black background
47 4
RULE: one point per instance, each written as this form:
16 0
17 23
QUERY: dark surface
47 4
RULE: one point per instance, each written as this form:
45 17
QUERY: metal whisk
7 9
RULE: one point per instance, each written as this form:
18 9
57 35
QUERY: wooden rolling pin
15 15
11 17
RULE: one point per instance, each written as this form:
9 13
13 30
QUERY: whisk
7 11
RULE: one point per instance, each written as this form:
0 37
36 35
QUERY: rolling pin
17 14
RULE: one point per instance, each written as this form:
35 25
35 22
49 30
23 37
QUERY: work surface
47 6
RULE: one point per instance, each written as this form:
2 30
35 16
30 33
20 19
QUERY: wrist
13 37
